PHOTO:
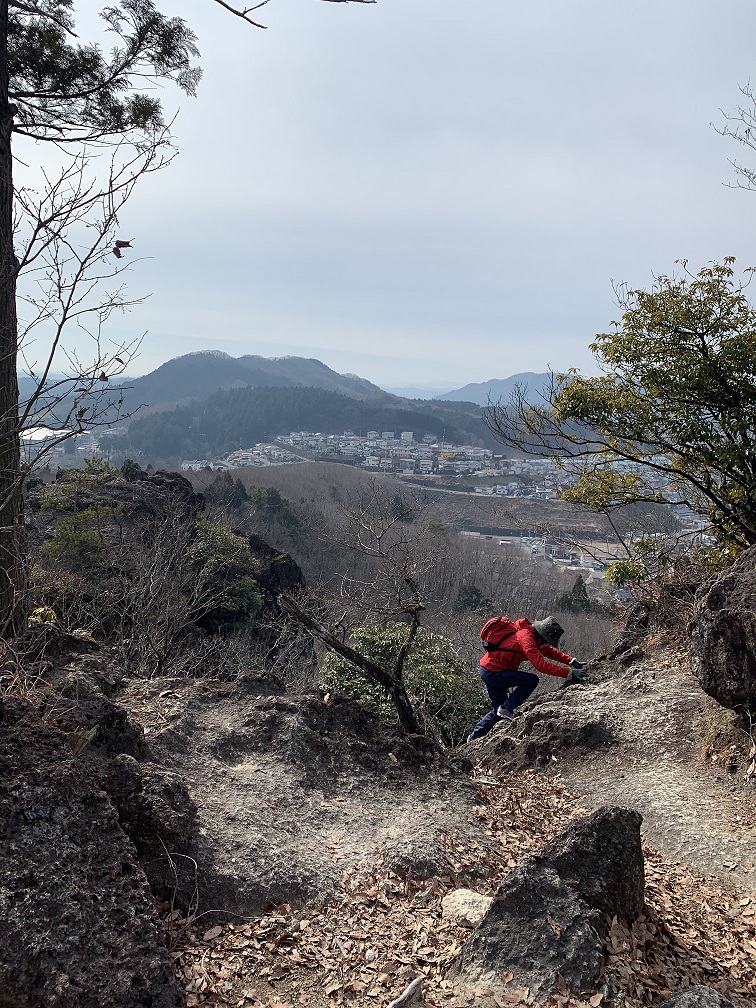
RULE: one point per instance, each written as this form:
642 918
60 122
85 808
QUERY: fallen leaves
378 932
693 932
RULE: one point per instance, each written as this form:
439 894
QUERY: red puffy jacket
522 646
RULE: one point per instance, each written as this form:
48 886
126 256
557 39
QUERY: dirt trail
694 811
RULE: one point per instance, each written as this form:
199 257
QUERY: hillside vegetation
163 684
238 417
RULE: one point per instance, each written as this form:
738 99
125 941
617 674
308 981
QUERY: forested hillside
199 375
232 418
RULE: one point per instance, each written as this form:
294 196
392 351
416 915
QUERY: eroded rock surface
78 924
697 997
549 733
550 912
722 635
292 791
153 805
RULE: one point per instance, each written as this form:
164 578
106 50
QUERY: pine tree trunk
12 537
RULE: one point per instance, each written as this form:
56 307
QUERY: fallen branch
412 995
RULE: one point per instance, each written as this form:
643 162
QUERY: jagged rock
105 726
153 805
549 730
722 634
697 997
78 924
291 791
74 684
537 929
133 472
97 667
601 858
135 495
465 907
277 570
548 916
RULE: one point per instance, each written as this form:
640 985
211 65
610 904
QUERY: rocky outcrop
722 635
291 791
697 997
546 734
550 913
134 492
564 724
78 924
277 571
153 805
101 725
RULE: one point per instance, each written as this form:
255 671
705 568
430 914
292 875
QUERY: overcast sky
424 191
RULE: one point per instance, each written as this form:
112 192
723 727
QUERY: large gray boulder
601 858
722 634
78 923
549 914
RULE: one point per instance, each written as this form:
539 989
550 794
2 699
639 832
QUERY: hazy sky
427 191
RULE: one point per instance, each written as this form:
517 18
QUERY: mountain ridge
496 389
197 375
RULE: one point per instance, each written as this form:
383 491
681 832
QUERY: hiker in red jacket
500 667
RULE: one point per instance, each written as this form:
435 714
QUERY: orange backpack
495 631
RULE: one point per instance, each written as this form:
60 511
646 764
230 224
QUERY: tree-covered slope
243 416
199 375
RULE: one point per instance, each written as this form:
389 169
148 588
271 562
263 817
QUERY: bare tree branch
244 12
393 685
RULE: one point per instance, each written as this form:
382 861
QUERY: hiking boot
505 714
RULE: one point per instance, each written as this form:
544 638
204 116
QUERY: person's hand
575 664
576 675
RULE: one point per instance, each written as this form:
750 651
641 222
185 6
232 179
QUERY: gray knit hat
549 629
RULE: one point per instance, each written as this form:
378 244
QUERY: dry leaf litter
363 946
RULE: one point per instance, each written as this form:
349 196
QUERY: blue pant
499 685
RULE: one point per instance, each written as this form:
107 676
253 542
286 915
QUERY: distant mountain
431 391
196 376
498 388
28 385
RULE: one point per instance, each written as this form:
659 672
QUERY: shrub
444 692
77 542
225 570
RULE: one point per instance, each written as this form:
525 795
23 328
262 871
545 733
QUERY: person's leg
498 691
524 684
